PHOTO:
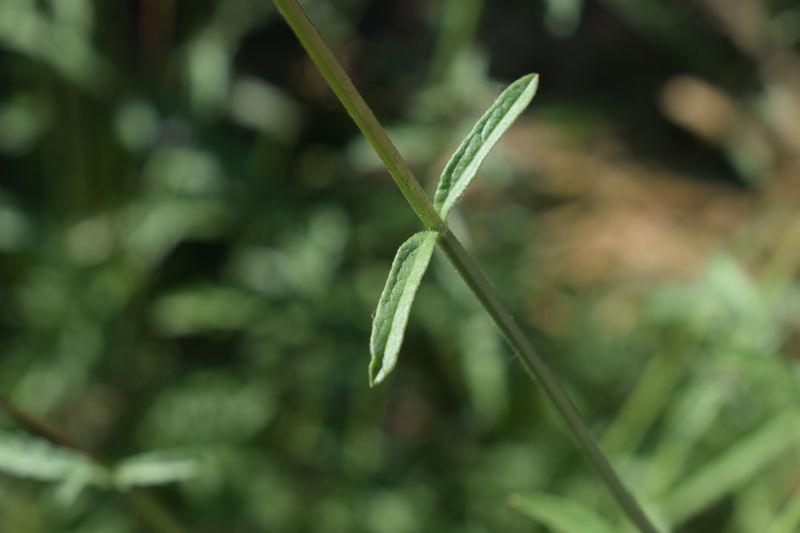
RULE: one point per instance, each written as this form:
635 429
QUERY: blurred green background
193 237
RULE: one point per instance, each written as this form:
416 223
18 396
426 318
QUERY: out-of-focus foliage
193 237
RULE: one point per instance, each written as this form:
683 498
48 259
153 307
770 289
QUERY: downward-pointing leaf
394 306
559 514
487 131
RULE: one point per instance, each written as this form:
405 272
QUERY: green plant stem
360 112
539 370
150 510
355 105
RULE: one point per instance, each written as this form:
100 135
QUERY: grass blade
466 161
559 514
734 468
391 317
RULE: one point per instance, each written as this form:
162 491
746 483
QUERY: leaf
211 407
559 514
466 161
394 306
733 468
154 469
33 458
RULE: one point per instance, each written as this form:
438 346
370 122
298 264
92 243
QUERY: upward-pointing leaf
394 306
466 161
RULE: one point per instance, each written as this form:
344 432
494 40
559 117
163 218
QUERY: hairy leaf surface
466 161
391 317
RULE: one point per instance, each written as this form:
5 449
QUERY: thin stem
39 427
360 112
341 84
539 370
149 509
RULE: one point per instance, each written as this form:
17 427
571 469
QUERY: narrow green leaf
487 131
34 458
391 317
559 514
733 468
154 469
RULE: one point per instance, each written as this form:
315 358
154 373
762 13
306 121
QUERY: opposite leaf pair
413 256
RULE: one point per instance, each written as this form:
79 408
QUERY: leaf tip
375 378
531 82
379 370
374 381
